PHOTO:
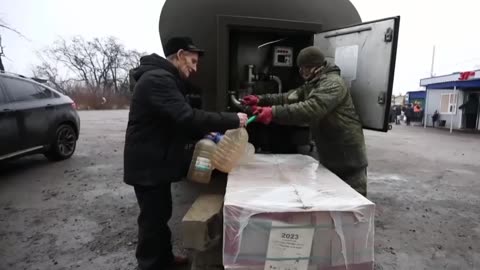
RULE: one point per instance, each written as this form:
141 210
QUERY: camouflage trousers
357 180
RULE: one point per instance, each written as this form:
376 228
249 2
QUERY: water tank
204 20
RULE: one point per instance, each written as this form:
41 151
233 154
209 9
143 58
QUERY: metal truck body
251 48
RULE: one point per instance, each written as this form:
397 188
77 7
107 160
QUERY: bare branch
6 26
100 64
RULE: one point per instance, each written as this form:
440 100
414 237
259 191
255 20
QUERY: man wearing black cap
325 104
160 126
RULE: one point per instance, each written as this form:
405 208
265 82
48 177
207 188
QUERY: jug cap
214 137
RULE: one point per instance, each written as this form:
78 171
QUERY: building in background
398 100
416 97
455 97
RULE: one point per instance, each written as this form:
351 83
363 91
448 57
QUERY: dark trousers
154 248
471 120
356 179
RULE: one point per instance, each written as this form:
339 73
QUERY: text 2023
292 236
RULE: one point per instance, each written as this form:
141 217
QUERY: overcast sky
450 25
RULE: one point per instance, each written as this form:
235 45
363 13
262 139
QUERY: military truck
251 48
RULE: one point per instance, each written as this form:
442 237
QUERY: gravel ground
78 214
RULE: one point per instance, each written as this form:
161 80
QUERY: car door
366 55
9 142
32 112
54 107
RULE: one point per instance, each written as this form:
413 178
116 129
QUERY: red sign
466 75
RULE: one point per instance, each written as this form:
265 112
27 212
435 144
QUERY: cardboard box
202 225
287 212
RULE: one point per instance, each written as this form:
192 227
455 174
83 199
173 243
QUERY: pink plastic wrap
287 212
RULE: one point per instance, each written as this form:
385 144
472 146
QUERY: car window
47 93
20 90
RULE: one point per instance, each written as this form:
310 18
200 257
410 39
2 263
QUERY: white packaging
325 223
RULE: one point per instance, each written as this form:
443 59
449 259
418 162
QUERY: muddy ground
78 214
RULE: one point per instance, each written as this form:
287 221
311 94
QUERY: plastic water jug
201 166
230 149
248 155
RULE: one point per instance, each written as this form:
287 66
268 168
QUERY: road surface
78 214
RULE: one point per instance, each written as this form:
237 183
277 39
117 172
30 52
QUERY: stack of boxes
282 212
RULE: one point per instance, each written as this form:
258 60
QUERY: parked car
35 118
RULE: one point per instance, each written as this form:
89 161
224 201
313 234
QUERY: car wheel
64 143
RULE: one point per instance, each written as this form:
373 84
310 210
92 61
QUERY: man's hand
243 119
264 115
250 100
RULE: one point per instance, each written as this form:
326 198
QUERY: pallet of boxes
281 212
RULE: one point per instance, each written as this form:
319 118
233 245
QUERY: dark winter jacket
409 112
161 124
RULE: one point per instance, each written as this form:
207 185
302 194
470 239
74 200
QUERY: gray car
34 118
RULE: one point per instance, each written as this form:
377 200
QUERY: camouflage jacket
325 104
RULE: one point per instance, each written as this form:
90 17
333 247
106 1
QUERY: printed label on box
203 164
289 248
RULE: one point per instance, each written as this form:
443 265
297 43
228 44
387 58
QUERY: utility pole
433 62
425 110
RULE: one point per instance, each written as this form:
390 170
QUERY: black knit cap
181 43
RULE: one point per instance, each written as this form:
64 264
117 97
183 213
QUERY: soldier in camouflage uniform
325 104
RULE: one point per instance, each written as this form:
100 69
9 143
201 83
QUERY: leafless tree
50 72
101 64
4 25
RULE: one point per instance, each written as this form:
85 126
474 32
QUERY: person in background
391 115
435 117
161 123
417 108
408 114
398 113
325 104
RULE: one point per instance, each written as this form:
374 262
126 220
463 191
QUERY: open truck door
366 55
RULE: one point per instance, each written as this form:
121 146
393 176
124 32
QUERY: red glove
250 100
253 108
264 115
